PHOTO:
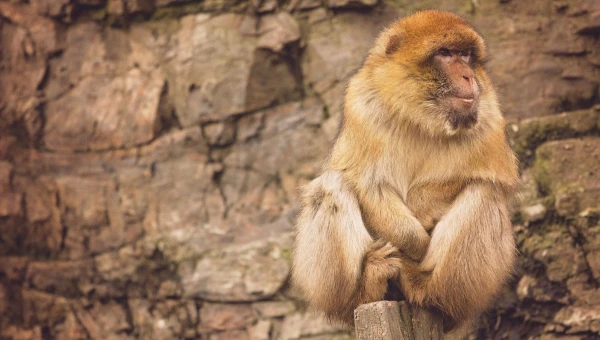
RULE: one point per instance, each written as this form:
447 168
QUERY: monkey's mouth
466 100
462 102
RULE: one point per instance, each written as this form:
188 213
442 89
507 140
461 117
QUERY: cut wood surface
392 320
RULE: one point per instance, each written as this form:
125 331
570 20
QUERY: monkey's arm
470 255
337 265
390 219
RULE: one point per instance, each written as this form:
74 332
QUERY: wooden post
392 320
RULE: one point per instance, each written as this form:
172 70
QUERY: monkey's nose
468 79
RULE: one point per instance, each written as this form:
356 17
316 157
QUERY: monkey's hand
381 263
389 218
384 258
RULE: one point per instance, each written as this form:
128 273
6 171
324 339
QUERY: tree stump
392 320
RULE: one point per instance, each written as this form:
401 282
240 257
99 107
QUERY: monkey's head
428 68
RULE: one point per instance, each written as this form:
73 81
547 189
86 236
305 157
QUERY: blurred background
151 150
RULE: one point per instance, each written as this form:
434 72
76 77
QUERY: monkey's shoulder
495 162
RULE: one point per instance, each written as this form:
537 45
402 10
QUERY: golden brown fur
415 189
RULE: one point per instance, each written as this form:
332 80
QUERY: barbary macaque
414 194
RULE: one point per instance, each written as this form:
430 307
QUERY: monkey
415 191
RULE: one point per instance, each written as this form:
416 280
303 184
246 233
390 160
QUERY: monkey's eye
444 52
465 55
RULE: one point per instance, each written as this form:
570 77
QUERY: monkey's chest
429 202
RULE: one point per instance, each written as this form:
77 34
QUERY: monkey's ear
393 44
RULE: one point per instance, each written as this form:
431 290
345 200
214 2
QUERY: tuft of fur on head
399 72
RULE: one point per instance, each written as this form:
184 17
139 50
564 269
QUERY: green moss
167 12
553 231
548 202
550 184
172 250
411 6
326 113
99 14
115 21
287 254
541 172
191 258
533 132
408 6
546 239
177 11
532 243
469 7
520 239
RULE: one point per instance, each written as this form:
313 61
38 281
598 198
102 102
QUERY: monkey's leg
389 218
337 265
471 254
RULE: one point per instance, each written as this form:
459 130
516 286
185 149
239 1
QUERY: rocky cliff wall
150 152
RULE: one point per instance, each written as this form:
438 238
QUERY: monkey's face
457 92
428 69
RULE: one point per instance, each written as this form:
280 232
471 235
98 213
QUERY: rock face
151 151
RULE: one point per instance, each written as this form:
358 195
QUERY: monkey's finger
390 250
378 244
382 250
